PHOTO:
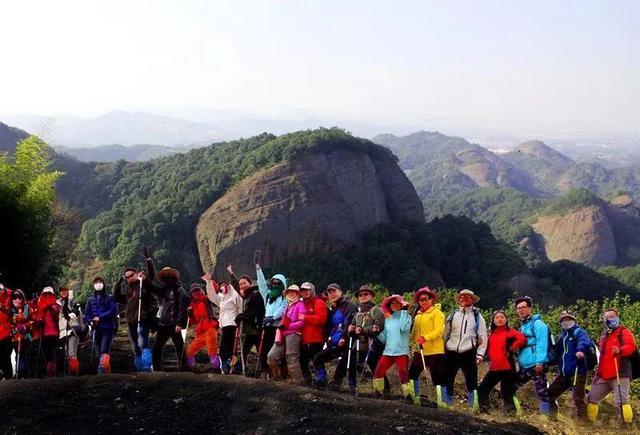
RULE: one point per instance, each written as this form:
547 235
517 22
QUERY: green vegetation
158 203
27 230
571 201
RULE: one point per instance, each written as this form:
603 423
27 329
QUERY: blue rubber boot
147 360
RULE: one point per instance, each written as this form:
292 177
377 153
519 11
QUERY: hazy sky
537 65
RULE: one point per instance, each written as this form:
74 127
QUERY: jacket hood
280 277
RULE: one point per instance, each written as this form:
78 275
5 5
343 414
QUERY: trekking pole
15 375
365 365
259 354
424 364
234 354
615 361
349 353
575 376
184 343
140 308
241 351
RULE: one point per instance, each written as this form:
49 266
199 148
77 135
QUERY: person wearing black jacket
250 320
132 288
172 316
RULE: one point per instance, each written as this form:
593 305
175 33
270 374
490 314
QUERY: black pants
563 383
268 338
162 336
435 364
507 379
6 347
49 345
329 354
371 357
227 341
307 353
467 362
22 348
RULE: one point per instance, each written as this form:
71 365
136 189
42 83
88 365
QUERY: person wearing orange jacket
47 321
502 344
206 326
315 320
617 345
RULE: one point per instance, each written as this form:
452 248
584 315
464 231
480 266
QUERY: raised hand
207 277
230 269
145 253
256 257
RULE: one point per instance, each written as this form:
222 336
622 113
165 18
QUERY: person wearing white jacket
230 303
465 336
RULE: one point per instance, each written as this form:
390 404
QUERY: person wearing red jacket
617 344
502 344
201 315
315 320
6 346
47 317
21 337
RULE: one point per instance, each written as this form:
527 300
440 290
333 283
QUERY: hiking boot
74 366
52 369
353 390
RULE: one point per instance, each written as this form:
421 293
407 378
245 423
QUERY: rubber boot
472 401
321 379
215 363
447 396
52 369
416 386
378 386
353 388
516 404
226 367
105 364
74 366
147 360
190 362
545 409
137 361
627 413
592 411
440 397
409 393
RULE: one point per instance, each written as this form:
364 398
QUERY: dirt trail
189 403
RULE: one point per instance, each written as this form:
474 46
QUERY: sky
539 66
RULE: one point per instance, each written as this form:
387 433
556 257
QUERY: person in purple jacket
288 338
101 312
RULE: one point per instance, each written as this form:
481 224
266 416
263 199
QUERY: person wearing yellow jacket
427 341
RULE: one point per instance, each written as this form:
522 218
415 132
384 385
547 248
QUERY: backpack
552 349
634 359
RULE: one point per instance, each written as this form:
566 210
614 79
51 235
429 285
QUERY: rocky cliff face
319 203
584 236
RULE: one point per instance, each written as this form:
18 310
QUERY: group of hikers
295 331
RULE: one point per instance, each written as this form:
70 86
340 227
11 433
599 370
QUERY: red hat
387 301
425 291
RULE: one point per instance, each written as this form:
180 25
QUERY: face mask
98 286
567 324
292 297
612 323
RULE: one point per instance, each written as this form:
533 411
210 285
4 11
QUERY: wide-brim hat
468 292
169 271
365 288
425 291
292 288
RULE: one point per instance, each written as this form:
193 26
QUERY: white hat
468 292
48 290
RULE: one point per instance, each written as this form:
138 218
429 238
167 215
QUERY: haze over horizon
538 68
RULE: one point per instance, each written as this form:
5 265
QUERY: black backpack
634 359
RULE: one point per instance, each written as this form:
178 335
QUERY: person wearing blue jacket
101 312
275 305
533 358
573 344
340 316
395 336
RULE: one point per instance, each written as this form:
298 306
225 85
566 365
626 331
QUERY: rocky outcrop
486 169
584 236
317 203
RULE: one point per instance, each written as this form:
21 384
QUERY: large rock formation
317 203
584 236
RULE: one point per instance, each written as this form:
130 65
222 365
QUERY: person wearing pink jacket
288 338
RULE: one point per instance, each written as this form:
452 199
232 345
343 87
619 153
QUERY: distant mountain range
116 127
113 153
